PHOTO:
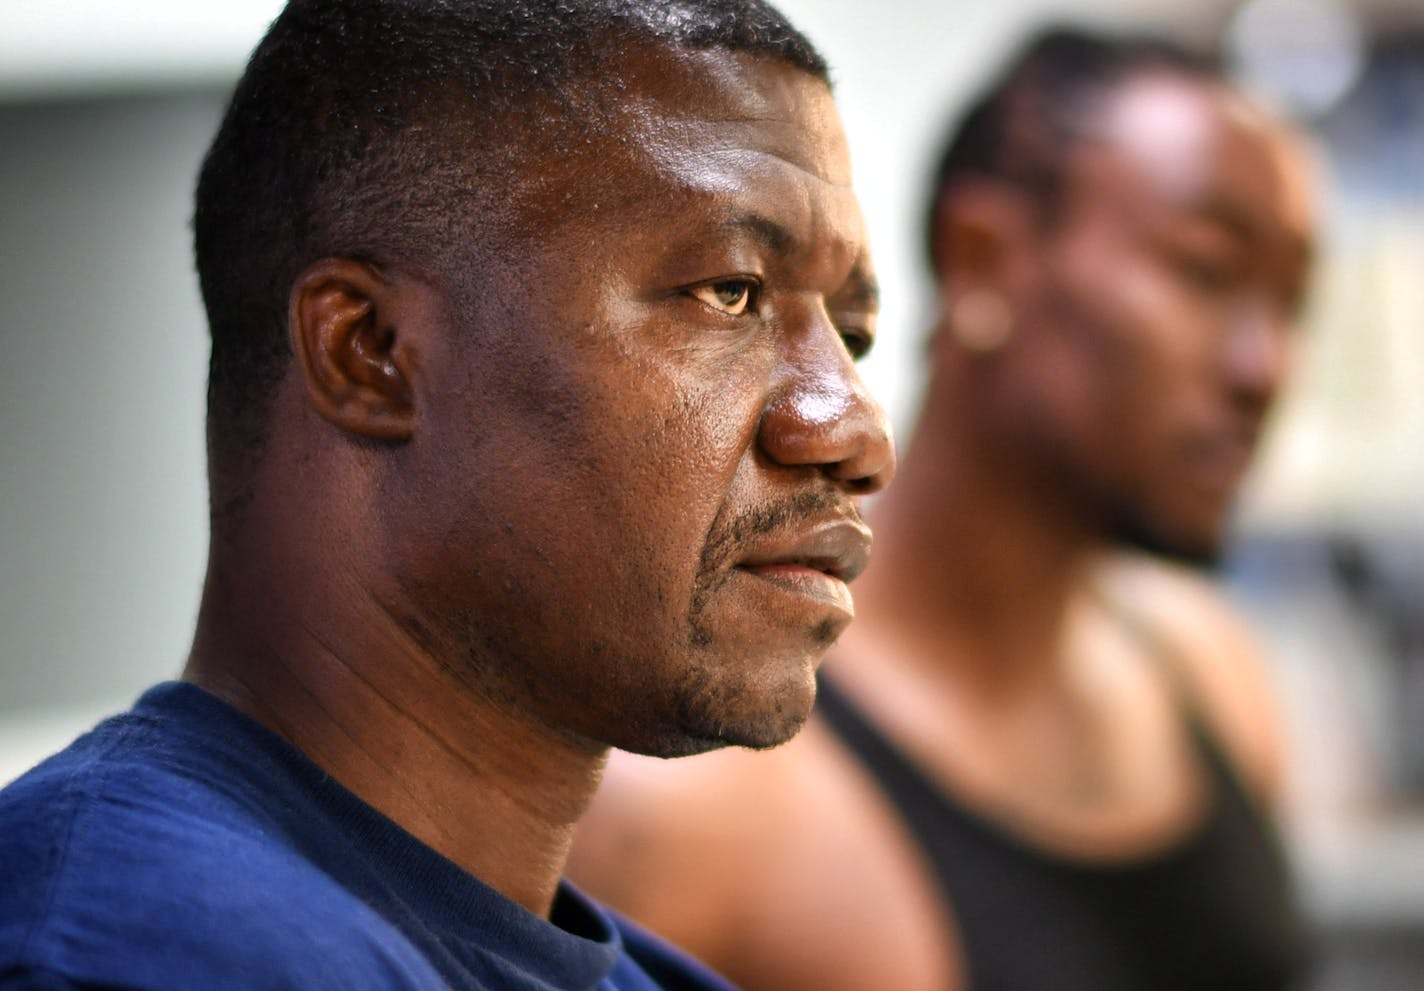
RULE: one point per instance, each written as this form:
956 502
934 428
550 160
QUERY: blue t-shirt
182 845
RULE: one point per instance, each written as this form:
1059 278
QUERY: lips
818 561
1222 458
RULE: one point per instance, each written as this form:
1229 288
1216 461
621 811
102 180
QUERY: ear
343 317
982 228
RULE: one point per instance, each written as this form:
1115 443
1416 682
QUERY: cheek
614 483
1104 364
1139 337
583 466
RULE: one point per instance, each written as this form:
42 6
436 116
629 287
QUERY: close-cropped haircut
387 129
1045 100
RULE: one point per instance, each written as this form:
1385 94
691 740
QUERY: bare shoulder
682 845
743 858
1217 655
661 818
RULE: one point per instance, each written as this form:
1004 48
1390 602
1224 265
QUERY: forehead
710 130
710 102
1174 142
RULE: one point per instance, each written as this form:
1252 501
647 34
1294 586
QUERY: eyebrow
862 289
1227 215
766 232
1239 223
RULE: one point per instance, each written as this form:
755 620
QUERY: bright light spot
83 45
1300 55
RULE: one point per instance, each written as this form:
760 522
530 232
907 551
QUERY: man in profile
1052 756
534 430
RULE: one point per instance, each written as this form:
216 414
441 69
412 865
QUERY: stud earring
980 320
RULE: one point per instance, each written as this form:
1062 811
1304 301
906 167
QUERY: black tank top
1212 913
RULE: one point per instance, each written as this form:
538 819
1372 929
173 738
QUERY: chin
711 709
1198 544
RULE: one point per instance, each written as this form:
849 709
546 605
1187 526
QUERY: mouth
817 563
1223 459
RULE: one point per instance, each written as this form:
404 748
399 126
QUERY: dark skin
1158 312
1153 319
607 499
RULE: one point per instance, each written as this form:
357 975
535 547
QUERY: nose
822 416
1258 352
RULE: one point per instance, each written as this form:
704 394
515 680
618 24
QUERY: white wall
102 518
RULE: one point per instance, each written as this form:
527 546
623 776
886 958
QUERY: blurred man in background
534 429
1043 756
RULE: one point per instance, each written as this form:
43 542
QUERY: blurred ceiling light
77 46
1300 55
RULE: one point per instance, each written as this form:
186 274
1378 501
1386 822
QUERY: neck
974 573
321 662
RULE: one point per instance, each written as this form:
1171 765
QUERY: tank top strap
897 775
1166 657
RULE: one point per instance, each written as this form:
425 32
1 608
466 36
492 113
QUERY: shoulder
663 843
1214 654
742 859
124 871
659 829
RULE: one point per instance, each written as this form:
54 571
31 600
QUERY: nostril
872 466
825 418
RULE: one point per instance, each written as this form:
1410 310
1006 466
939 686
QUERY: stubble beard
1131 526
743 701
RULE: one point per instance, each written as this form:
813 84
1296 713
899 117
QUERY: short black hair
378 128
1041 102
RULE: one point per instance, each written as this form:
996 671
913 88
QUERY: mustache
727 537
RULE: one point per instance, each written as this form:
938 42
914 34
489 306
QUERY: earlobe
982 228
343 321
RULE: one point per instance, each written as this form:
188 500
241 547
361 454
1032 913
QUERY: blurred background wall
105 110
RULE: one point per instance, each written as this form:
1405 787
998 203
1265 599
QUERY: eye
730 296
858 341
1211 275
